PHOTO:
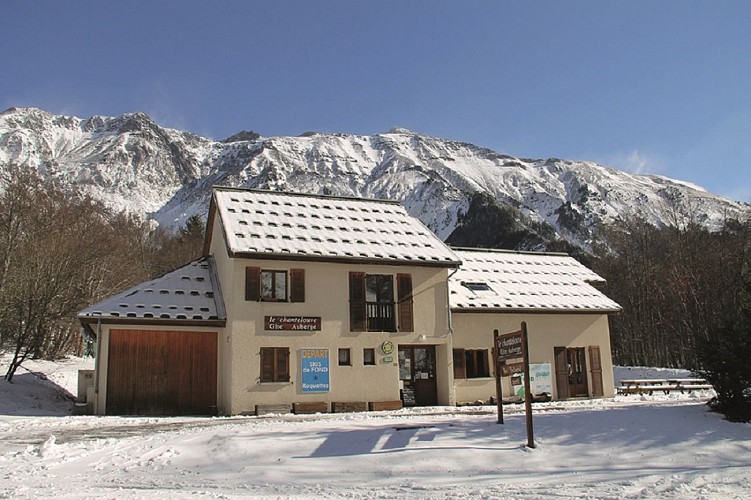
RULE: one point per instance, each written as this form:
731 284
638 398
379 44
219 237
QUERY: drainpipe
448 300
98 353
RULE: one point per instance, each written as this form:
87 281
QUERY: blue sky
653 87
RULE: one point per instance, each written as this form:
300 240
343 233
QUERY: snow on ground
625 447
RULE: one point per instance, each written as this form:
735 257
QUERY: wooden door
577 372
417 373
161 373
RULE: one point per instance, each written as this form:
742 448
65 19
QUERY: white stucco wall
545 331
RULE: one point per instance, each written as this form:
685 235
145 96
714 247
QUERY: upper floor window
373 307
274 285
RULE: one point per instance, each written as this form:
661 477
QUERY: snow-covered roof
520 281
190 293
271 224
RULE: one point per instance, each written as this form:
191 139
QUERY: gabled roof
269 224
189 294
502 281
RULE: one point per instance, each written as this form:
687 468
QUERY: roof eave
343 259
516 310
110 320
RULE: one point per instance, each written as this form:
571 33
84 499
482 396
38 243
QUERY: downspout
448 301
98 352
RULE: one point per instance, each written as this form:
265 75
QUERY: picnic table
666 385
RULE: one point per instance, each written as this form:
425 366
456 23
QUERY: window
368 357
471 363
372 305
274 364
271 285
274 286
345 358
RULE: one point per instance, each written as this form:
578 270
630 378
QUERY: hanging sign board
509 346
315 370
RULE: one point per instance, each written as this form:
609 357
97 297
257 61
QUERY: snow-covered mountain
464 193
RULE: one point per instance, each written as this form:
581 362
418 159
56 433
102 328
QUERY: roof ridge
307 195
501 250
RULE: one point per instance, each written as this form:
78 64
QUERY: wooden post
527 388
498 388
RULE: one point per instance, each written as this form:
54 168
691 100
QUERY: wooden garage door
161 373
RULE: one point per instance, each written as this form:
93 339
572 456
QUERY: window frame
368 352
274 274
348 360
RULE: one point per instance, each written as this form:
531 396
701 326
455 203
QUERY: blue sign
315 370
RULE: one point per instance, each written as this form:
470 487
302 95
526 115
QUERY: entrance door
417 374
571 372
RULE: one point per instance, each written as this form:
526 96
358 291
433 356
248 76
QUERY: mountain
468 195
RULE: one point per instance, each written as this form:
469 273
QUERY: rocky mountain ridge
468 195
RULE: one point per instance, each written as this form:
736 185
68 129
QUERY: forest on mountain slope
685 290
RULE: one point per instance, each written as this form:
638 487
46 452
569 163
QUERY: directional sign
512 369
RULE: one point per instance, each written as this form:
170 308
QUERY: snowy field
626 447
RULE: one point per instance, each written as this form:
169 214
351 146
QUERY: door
577 372
417 375
571 372
161 373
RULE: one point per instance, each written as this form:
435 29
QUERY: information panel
315 370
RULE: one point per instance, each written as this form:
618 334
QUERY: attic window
477 286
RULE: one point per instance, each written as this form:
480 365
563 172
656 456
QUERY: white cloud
636 162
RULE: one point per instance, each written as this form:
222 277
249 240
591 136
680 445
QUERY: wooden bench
349 406
385 405
310 407
267 409
650 386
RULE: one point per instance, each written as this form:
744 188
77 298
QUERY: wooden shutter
404 289
357 302
282 364
297 285
274 364
596 371
253 283
267 364
561 372
460 365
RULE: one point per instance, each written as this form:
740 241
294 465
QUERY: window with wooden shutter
561 372
274 364
357 302
253 283
404 288
460 369
471 363
297 285
596 371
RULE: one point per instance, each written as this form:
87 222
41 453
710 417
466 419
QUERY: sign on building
292 323
315 370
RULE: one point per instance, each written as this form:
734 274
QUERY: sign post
527 389
512 346
498 388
